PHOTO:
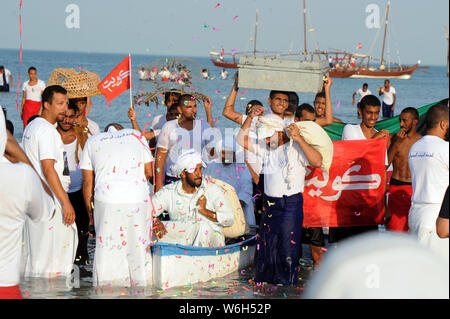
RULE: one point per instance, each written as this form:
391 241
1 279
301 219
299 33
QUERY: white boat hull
401 77
178 265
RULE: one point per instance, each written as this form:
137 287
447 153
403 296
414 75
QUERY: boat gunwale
168 249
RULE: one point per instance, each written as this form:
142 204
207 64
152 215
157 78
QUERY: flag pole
131 83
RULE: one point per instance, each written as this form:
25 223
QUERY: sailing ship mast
304 27
256 34
385 31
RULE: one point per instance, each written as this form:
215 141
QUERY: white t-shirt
93 127
34 92
362 94
76 174
354 132
274 166
158 123
176 140
22 195
42 141
117 159
7 75
388 97
429 163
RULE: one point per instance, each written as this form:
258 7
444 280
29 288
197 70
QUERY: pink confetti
195 39
338 104
215 29
234 19
217 5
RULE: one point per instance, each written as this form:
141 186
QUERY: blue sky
185 27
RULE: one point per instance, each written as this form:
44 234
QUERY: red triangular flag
118 81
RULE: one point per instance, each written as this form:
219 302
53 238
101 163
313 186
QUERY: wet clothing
278 244
399 203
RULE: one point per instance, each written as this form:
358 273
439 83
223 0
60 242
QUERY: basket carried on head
77 84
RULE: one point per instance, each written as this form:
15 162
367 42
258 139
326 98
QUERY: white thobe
187 225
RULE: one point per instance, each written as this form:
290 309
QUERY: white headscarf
188 161
380 266
3 136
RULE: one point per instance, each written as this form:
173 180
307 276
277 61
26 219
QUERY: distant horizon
157 55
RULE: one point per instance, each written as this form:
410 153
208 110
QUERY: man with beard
400 187
198 209
429 163
71 139
177 136
51 245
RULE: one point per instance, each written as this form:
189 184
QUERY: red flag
352 193
118 81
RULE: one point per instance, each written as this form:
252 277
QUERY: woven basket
77 84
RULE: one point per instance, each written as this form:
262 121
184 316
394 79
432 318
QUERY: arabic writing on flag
118 81
352 193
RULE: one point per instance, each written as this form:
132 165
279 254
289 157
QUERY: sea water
425 87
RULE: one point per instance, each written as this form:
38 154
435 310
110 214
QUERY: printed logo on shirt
66 171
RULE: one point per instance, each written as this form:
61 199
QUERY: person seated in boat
323 106
229 166
197 208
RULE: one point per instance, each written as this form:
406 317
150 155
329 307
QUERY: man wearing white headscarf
116 166
198 209
22 195
229 166
284 165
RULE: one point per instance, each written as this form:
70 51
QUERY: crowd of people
74 181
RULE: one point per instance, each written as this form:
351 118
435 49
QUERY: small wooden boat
178 265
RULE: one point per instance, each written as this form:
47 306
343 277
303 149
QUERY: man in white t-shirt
82 119
74 149
361 93
429 163
284 170
116 168
389 98
51 246
370 111
31 100
180 135
6 79
22 197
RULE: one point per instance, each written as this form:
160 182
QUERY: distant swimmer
362 93
389 98
400 187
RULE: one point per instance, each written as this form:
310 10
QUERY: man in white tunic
429 164
51 245
116 167
198 209
22 195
